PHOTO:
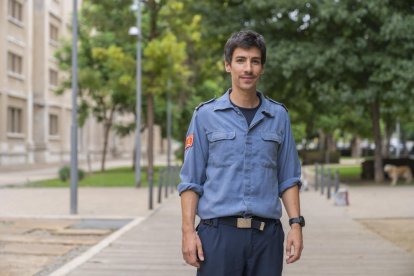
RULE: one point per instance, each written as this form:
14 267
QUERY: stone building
34 121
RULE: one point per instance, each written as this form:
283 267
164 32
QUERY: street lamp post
137 31
169 124
74 127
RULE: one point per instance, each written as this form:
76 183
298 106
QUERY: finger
200 252
196 264
191 259
288 248
296 254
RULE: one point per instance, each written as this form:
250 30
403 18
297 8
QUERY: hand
192 248
294 244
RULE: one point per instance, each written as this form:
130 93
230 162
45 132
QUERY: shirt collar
224 103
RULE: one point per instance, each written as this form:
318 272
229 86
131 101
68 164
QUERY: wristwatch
299 220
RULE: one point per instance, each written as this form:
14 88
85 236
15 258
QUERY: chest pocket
221 148
269 146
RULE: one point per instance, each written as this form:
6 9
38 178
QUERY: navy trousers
231 251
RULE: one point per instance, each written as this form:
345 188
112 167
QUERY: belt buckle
244 222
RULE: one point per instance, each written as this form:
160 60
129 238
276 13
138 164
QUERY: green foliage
327 58
328 61
64 173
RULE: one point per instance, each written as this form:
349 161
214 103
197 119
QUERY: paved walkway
151 248
335 244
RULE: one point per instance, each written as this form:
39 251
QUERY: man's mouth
247 77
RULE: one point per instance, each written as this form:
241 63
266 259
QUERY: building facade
34 121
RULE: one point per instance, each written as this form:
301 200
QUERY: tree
348 51
107 61
105 80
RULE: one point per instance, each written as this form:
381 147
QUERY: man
240 157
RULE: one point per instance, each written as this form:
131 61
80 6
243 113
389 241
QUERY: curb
76 262
91 252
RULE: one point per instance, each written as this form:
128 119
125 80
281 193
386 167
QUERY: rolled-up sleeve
193 171
289 168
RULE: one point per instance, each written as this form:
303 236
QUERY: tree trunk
321 140
356 146
107 128
330 142
329 147
404 151
388 133
378 172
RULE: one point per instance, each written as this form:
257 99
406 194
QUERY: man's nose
248 66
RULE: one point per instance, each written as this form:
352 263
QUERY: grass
352 175
118 177
346 173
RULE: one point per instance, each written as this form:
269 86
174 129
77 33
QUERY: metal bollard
176 178
322 180
167 180
336 181
173 180
160 183
316 177
329 184
150 189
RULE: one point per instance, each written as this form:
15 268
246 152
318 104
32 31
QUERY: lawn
346 173
119 177
350 173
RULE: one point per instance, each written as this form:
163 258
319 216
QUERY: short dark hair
244 39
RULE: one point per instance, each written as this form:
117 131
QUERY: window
14 120
14 63
53 124
16 10
54 33
53 77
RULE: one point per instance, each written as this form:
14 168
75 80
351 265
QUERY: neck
246 99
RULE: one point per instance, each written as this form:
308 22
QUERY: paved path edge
91 252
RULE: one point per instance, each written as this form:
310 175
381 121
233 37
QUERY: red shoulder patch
189 141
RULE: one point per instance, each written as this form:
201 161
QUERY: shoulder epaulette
275 102
203 103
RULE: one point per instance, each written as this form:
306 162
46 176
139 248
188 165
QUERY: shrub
64 173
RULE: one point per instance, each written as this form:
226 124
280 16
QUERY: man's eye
239 60
256 62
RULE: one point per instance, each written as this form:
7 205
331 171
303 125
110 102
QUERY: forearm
189 202
291 201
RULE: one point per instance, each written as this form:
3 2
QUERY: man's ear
227 66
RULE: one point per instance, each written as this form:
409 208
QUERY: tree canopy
339 65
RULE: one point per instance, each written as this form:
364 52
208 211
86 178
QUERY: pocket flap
269 136
221 135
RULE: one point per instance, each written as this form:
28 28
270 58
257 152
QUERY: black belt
240 222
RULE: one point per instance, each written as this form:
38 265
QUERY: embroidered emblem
189 141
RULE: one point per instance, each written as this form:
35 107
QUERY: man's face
245 68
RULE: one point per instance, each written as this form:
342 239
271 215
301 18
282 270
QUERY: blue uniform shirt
236 169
